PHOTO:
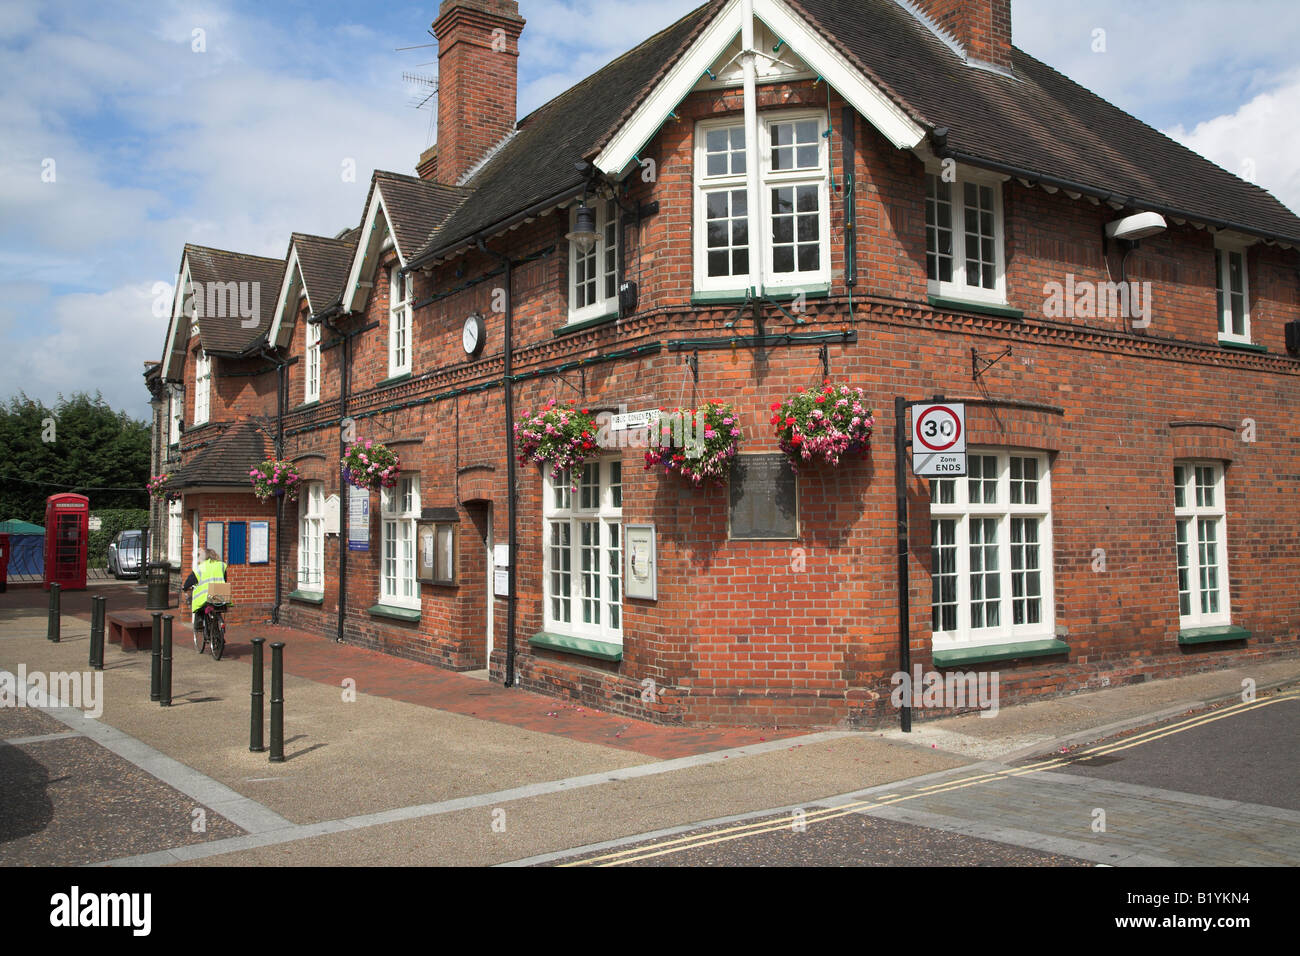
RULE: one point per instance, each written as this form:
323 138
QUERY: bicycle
213 632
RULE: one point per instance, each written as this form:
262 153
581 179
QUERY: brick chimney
478 69
983 27
426 167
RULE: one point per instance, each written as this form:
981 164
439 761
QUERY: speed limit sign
939 439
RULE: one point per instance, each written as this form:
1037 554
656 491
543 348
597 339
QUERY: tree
80 445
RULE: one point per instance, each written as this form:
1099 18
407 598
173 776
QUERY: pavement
394 762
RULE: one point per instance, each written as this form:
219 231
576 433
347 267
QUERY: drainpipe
345 363
281 399
506 375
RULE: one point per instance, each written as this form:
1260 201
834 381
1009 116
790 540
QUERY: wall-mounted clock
473 334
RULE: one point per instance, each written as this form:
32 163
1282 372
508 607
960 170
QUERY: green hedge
113 520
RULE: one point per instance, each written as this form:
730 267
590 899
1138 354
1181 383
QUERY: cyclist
211 569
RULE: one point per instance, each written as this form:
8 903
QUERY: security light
1135 227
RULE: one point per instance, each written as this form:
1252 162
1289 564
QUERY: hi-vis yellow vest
207 572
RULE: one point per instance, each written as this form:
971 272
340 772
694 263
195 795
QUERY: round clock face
472 335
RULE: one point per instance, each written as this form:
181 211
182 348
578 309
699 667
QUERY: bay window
202 386
1200 529
175 528
1231 291
311 537
991 551
593 275
311 384
399 512
790 231
401 290
964 239
582 552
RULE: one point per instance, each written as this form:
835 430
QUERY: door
491 599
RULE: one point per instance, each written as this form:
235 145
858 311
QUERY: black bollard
55 626
97 632
155 658
277 702
255 718
165 685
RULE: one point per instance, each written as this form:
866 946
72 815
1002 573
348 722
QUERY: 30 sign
939 439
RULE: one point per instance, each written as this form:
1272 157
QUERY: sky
129 129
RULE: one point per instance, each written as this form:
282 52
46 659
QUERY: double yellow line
667 847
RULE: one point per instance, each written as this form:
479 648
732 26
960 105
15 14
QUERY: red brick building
768 194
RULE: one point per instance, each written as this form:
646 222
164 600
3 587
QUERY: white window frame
1193 511
401 290
957 288
759 221
311 538
604 257
202 387
311 378
1003 511
399 584
175 413
175 530
563 508
1224 249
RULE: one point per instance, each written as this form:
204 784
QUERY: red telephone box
67 537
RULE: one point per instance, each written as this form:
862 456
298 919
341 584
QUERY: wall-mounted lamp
584 234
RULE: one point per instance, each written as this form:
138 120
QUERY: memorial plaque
764 498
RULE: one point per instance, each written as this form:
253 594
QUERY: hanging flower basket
158 491
274 478
370 464
823 425
699 445
561 436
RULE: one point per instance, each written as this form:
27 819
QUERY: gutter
486 232
326 318
281 400
943 151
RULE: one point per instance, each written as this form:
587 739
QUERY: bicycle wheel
218 636
200 633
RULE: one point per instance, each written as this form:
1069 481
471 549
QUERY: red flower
586 434
775 419
820 399
798 388
586 412
796 440
776 406
790 420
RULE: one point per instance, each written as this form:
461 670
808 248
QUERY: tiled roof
227 334
225 459
416 208
538 161
1037 121
1040 121
324 265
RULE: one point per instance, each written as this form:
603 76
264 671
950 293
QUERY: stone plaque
764 498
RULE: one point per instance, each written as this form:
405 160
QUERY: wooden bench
132 629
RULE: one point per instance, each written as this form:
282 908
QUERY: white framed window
790 230
593 275
175 528
1200 532
401 290
175 413
582 552
399 510
991 551
965 237
202 386
311 537
1232 291
311 381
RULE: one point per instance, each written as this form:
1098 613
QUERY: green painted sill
961 305
311 404
1243 346
307 597
396 613
577 645
1000 652
1212 635
739 296
586 324
394 380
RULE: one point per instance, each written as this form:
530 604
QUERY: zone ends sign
939 439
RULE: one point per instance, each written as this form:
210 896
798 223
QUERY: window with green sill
582 552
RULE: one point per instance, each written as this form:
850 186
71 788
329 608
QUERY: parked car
125 553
